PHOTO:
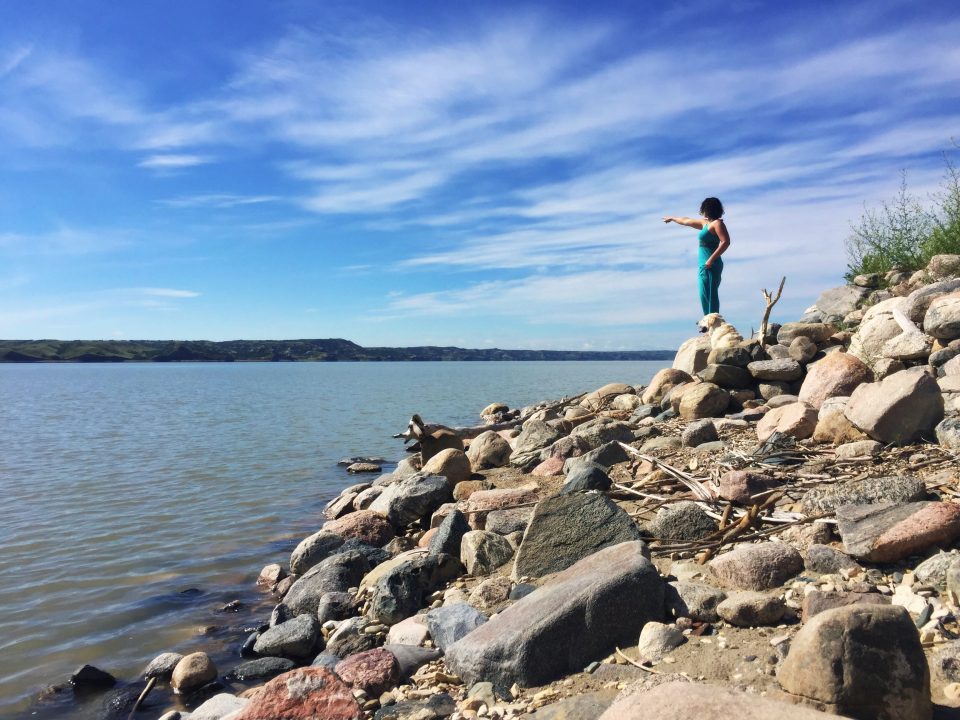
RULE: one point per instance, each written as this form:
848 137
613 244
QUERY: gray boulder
567 528
313 549
897 489
694 600
841 300
452 622
576 617
482 552
337 573
534 436
403 590
413 498
261 669
585 476
296 638
698 432
603 430
785 370
449 535
757 567
684 520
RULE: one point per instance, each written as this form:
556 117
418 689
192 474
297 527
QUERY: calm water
125 485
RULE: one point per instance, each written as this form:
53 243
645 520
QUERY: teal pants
709 282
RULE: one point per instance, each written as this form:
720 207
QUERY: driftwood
770 302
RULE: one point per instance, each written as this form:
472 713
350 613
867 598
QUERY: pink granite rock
374 671
367 526
307 693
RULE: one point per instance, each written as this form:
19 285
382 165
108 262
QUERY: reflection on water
124 485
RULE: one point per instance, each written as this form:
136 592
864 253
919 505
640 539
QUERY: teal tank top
708 243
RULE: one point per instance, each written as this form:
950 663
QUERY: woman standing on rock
714 241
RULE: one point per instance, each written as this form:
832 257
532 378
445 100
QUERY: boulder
841 300
337 573
885 532
403 590
463 491
908 346
260 669
450 623
336 606
824 560
942 319
449 535
661 382
451 463
567 528
802 349
797 419
576 617
603 430
365 498
313 549
349 638
817 601
411 631
948 433
837 374
600 398
786 370
585 476
897 489
878 326
816 331
703 400
489 450
858 449
752 609
740 486
657 639
296 638
757 567
482 552
508 520
944 266
692 355
832 424
162 666
863 661
412 498
684 520
490 593
699 432
697 601
919 300
303 694
438 706
483 501
373 671
686 701
192 672
534 436
899 408
220 706
340 505
727 376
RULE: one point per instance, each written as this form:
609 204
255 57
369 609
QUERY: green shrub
891 237
945 236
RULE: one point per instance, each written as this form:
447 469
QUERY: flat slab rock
576 617
683 701
884 532
566 528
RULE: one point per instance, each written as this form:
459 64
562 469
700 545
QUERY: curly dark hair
711 208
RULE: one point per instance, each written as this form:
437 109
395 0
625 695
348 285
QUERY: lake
138 499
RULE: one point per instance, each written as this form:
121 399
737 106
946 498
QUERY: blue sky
475 174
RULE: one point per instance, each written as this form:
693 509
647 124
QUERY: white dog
722 333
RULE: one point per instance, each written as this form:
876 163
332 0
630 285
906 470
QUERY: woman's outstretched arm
689 222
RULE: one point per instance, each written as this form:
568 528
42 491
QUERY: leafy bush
903 233
891 237
945 236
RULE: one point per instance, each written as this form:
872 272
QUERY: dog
722 333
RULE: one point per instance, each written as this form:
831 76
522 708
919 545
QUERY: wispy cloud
218 200
174 161
168 292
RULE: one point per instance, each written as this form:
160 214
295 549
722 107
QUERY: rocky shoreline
765 530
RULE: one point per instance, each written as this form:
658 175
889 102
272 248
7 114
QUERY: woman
714 241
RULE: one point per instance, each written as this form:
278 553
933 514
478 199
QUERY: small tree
945 234
892 237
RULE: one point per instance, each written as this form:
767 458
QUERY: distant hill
328 350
